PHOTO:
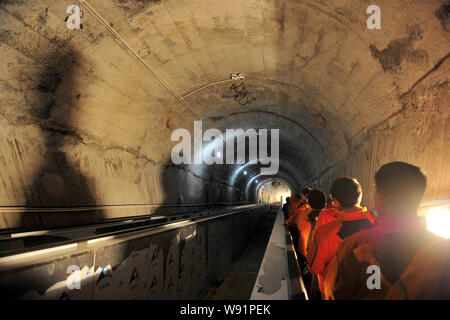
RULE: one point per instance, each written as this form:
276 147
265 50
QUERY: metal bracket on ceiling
237 76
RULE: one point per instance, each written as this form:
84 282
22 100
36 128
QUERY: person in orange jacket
305 223
418 283
346 218
294 202
329 213
306 218
326 215
297 204
398 258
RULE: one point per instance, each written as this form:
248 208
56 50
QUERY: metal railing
13 248
279 275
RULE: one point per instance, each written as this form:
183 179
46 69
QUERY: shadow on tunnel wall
184 190
58 182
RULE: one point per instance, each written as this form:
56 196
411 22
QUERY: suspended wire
81 10
206 86
102 21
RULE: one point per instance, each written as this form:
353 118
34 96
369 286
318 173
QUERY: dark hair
306 191
401 183
347 191
317 199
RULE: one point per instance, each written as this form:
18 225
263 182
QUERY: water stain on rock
401 49
50 79
443 14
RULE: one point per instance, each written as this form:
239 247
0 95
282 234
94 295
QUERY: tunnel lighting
219 155
256 181
100 239
193 234
438 221
245 172
12 259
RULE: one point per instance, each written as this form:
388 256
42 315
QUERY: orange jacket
327 215
294 209
329 236
427 277
294 203
413 263
304 227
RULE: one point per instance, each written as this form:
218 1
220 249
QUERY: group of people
348 252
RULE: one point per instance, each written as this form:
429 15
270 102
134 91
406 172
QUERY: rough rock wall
419 133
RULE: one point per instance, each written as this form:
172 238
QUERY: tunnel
90 113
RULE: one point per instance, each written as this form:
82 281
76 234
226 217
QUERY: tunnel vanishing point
86 115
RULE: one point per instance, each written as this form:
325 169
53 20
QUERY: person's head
317 199
287 199
294 198
305 193
346 192
399 188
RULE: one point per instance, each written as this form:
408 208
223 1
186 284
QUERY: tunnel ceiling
312 69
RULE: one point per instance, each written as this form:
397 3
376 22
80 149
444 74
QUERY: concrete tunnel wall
84 123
